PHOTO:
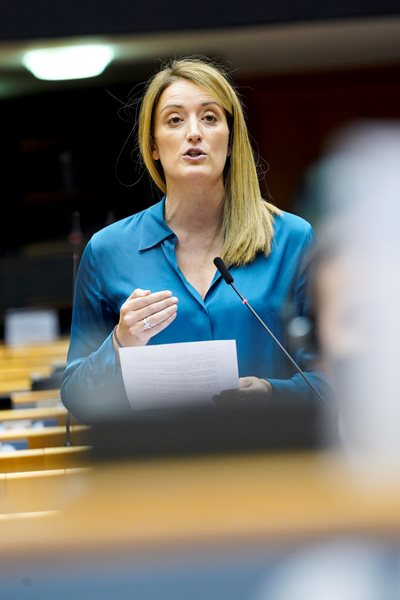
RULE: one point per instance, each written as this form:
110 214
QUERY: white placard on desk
187 373
30 326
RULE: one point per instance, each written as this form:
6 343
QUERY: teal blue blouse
139 252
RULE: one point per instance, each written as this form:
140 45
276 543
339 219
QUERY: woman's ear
154 152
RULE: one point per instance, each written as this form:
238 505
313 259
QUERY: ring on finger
147 324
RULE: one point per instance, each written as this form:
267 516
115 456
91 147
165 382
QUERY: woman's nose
193 132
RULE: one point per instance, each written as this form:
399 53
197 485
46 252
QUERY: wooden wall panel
292 117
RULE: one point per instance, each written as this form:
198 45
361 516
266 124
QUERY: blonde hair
247 219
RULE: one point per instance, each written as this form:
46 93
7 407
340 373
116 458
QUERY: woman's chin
197 175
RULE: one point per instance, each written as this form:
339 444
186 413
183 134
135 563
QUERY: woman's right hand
144 314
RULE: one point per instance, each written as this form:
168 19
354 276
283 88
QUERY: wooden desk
45 437
38 491
18 383
239 497
57 413
179 529
56 350
43 459
19 363
28 398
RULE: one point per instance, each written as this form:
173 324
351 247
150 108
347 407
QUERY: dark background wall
74 150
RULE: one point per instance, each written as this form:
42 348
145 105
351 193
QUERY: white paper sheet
170 375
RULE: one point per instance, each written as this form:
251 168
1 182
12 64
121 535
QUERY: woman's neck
194 210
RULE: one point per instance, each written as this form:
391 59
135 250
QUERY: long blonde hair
247 219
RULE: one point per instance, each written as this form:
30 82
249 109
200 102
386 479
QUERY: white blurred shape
30 326
362 191
331 571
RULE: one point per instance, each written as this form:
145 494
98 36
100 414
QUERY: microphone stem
251 309
75 240
68 440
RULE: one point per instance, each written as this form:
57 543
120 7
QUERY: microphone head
223 269
76 222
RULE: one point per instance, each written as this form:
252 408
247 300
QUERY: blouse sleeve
92 386
308 360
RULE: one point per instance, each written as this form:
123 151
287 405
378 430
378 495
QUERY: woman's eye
174 120
210 118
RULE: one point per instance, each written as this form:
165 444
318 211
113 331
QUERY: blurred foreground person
150 278
357 280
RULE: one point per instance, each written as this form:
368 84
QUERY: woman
150 278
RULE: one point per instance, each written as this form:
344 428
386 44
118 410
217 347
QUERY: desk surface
195 500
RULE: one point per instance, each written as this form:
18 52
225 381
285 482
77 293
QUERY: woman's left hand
254 384
247 385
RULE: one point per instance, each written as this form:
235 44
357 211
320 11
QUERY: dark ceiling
22 19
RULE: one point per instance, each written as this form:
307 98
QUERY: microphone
226 275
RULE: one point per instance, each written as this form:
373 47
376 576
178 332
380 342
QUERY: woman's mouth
194 154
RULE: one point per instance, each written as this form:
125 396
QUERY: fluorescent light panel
68 62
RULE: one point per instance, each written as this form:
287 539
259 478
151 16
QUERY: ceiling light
68 62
